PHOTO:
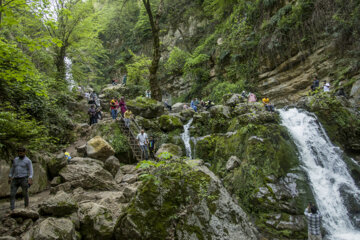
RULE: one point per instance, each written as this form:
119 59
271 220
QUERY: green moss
169 123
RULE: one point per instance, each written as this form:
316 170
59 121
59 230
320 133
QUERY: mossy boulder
55 229
146 107
147 124
264 150
172 149
60 205
183 201
98 148
341 122
169 123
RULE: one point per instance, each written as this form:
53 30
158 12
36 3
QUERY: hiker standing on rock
21 175
127 118
113 108
314 218
92 115
122 106
143 141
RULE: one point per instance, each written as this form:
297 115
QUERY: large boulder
232 100
56 164
88 175
96 221
98 148
169 123
55 229
177 107
146 107
207 212
169 148
112 164
60 205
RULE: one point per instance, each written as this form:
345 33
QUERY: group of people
326 88
196 105
117 107
94 111
251 98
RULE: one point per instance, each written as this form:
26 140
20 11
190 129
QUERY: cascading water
185 136
68 74
329 177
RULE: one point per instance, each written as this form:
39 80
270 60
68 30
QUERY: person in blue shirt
152 147
21 175
193 105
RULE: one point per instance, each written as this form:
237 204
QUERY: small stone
232 163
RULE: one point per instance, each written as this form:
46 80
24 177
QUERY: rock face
56 164
212 215
88 174
232 163
170 148
112 164
96 221
146 107
55 229
98 148
60 205
169 123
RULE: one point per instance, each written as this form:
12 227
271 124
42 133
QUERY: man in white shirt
143 141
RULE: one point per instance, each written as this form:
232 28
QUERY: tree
68 15
155 29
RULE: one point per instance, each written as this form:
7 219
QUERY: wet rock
55 229
98 148
112 164
60 205
96 221
168 148
232 163
24 213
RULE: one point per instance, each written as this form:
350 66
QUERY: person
193 106
98 113
113 108
143 142
209 104
202 104
313 217
113 82
252 98
167 105
196 102
67 156
268 106
87 96
124 79
185 107
21 175
127 117
152 147
315 84
122 106
327 87
147 93
92 115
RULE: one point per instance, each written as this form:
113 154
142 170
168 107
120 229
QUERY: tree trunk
154 23
60 64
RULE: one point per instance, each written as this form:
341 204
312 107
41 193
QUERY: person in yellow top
127 116
268 106
265 100
67 156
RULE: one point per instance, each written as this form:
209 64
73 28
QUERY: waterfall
185 136
330 180
68 75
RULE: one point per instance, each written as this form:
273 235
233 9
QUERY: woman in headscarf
122 105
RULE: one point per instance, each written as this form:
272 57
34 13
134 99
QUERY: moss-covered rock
169 123
342 123
60 205
146 107
173 149
183 202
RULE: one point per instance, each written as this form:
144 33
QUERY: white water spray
185 136
329 177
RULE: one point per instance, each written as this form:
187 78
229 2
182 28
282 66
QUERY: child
152 147
67 156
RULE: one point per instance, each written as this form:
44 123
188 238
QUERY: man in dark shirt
21 175
314 218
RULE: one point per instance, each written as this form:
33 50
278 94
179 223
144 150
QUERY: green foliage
216 90
176 61
138 70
